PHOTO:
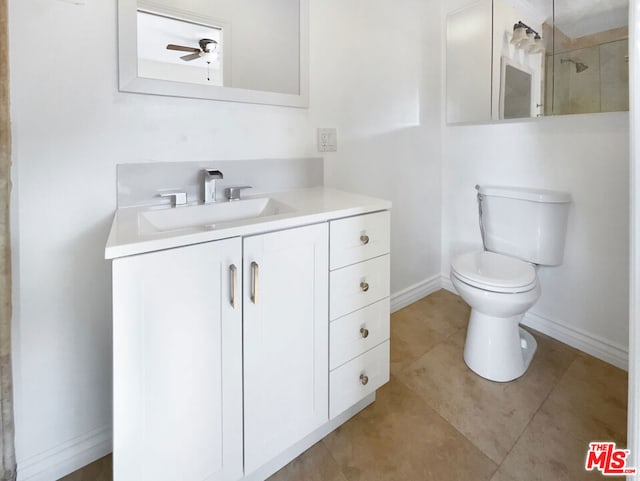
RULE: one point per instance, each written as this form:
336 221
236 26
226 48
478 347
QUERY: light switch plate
327 140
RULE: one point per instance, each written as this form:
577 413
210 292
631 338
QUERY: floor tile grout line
426 402
333 458
553 388
498 465
444 338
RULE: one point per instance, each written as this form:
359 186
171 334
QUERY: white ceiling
577 18
155 32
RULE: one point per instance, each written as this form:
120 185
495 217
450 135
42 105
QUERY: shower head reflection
580 67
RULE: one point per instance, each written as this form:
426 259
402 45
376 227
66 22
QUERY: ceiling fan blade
182 48
190 57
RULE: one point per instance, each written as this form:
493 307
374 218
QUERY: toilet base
529 346
497 348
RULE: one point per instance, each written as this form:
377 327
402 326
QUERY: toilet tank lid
525 193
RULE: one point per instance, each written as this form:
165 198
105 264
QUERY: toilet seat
494 272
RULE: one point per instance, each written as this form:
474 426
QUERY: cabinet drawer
347 383
357 286
358 238
358 332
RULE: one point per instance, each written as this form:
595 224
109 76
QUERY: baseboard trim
414 293
591 344
445 283
67 457
594 345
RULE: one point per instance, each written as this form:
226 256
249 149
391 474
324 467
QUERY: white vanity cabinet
359 308
178 347
286 330
236 349
177 364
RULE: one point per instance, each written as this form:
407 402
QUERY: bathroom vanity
243 336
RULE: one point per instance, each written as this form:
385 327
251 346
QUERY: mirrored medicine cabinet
513 59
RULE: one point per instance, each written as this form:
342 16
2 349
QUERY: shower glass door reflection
588 70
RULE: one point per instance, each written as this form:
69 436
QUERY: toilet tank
530 224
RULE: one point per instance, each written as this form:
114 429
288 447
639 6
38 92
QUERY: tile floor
436 420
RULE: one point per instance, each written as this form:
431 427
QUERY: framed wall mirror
574 54
233 50
517 93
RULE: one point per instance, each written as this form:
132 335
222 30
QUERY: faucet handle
177 198
233 193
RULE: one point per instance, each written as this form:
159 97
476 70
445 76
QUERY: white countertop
308 206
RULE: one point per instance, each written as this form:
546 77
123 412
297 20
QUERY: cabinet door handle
364 332
364 380
364 239
364 286
233 274
254 282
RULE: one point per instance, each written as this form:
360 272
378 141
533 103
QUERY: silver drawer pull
233 272
254 282
364 239
364 286
364 332
364 380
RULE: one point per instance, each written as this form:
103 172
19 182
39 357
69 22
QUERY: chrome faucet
209 177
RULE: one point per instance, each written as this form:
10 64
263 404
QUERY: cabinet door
285 339
178 365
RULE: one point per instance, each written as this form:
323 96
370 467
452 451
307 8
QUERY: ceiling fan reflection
207 50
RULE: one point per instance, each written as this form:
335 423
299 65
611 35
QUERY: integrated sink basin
209 216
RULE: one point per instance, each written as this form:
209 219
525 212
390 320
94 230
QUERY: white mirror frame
130 82
504 62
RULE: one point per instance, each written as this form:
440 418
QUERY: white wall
387 111
585 300
265 54
370 78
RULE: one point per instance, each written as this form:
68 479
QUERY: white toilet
521 228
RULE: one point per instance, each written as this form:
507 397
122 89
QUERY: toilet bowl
499 289
520 228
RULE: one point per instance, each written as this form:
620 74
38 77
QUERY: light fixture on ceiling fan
208 51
